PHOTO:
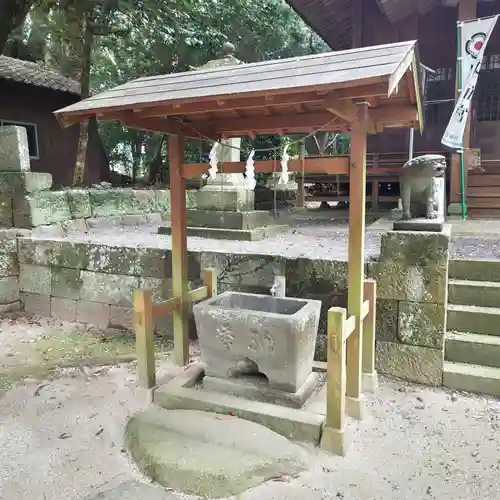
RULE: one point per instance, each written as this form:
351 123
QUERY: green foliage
149 37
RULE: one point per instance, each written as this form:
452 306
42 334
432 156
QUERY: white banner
474 38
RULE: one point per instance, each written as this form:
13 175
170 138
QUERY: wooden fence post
143 318
210 281
333 438
369 372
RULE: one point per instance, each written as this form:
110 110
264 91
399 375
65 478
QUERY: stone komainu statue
419 195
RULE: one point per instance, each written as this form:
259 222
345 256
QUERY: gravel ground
61 438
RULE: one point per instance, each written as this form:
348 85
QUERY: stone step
474 293
474 319
472 378
472 348
475 270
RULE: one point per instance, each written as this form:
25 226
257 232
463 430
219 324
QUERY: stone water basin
245 333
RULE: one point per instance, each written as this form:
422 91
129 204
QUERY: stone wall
93 283
412 288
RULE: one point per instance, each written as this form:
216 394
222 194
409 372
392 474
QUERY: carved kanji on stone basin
243 333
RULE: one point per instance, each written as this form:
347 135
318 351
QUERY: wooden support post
356 264
144 341
210 281
369 372
333 438
180 285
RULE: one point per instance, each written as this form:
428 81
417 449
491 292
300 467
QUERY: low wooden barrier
144 312
340 327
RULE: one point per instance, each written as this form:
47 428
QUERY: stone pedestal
412 293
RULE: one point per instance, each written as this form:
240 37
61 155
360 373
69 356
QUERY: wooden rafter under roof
301 94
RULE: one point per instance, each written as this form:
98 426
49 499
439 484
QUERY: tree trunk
12 15
83 140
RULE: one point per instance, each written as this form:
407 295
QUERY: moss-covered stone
48 207
422 324
162 201
66 283
144 201
35 279
387 320
109 202
305 276
8 256
413 363
79 203
27 182
9 290
107 288
6 211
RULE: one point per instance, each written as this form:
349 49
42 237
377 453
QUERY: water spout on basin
279 287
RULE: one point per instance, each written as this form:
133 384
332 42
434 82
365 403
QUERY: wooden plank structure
359 91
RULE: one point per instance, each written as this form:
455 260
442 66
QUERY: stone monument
225 206
422 194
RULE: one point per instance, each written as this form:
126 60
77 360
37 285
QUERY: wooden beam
143 319
356 264
321 120
210 281
335 165
155 125
394 115
343 108
180 285
165 307
230 104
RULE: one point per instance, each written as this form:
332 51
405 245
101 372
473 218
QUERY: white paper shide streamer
284 176
214 160
250 172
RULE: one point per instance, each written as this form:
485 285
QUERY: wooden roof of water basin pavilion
300 94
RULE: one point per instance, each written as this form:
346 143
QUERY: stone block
38 305
144 201
35 279
76 226
14 149
164 326
154 218
387 320
12 307
133 220
243 270
227 220
79 203
103 222
63 309
8 256
50 231
399 281
413 266
227 199
22 212
109 202
238 335
161 289
162 201
93 313
54 253
9 290
48 207
305 276
413 363
6 211
66 283
121 317
107 288
422 324
20 183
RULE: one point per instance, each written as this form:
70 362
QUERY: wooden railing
340 327
144 312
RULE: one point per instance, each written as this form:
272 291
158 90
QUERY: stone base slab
370 382
227 219
355 407
295 424
231 234
257 389
430 225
